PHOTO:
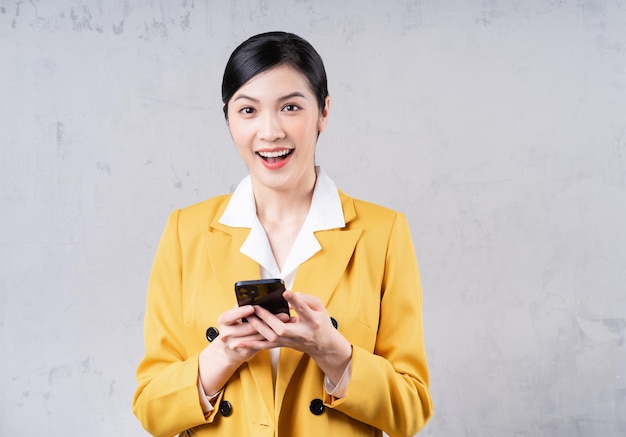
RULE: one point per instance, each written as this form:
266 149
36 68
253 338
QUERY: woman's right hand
236 343
235 336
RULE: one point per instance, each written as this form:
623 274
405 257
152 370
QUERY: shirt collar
325 213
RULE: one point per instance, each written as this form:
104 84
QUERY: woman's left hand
310 332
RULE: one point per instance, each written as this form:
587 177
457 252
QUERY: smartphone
267 293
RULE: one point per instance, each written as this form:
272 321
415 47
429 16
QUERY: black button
226 409
334 322
317 407
212 333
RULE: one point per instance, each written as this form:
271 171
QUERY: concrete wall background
498 127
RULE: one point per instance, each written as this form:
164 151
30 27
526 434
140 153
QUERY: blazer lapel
319 275
228 263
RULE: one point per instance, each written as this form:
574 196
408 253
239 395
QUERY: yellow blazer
366 274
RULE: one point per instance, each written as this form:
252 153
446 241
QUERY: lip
274 165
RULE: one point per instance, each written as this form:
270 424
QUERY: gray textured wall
498 127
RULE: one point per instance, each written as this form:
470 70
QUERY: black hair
272 49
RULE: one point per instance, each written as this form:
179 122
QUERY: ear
324 115
225 110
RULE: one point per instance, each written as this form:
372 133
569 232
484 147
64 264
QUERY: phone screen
267 293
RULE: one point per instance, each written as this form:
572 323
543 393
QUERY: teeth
276 154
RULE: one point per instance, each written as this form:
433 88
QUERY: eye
290 107
247 110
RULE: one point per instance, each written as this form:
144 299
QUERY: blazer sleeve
166 401
389 389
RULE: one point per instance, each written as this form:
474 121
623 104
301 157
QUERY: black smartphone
267 293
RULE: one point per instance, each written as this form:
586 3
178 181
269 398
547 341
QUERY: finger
262 344
240 330
283 317
299 299
258 322
245 342
268 325
235 314
304 304
264 314
275 321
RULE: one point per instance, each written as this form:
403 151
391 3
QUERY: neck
283 206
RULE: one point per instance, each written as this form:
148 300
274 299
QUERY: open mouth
275 156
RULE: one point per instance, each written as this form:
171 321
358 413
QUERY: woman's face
274 120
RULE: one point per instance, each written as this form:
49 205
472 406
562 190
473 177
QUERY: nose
270 128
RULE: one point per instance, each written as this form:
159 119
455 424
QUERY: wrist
334 360
215 367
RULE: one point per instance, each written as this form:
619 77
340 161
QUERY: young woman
350 361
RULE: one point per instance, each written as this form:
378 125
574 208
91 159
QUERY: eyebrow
287 97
